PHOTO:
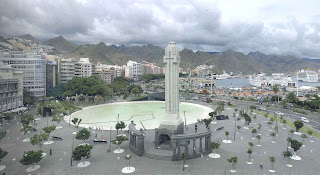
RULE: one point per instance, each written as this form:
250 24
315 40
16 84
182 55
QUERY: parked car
304 120
279 113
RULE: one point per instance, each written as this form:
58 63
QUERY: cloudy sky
286 27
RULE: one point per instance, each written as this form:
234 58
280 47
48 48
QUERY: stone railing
136 140
200 145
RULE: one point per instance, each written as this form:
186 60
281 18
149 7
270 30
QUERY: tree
266 114
38 139
253 108
135 91
31 157
298 124
26 129
254 131
247 119
273 135
310 133
259 126
291 97
249 153
211 114
207 122
284 121
119 140
239 127
295 144
120 125
291 131
233 161
287 154
76 122
2 154
82 152
276 128
83 134
227 134
250 144
272 160
259 138
26 119
49 129
128 157
214 145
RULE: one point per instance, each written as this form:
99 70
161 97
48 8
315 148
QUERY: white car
279 113
305 120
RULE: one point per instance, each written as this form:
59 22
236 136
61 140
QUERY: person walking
261 165
196 128
50 153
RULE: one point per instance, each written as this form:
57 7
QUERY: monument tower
171 123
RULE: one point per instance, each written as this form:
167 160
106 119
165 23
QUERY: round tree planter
128 170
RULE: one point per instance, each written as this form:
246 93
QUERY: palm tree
239 127
272 160
250 144
275 89
254 131
259 138
249 153
273 135
287 154
227 134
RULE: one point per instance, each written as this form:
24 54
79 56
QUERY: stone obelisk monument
171 123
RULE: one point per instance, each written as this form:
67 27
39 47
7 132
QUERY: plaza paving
103 162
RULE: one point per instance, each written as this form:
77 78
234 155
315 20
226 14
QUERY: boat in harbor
307 76
222 76
261 80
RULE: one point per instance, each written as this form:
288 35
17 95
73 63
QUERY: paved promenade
103 162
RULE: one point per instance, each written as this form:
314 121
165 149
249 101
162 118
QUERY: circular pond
146 114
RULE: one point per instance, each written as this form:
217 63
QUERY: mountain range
230 60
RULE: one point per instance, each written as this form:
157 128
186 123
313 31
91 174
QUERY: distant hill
29 37
61 44
101 53
212 53
230 60
149 53
312 60
277 63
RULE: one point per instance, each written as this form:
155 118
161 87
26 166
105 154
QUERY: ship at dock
262 80
307 76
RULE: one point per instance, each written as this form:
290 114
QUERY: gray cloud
192 24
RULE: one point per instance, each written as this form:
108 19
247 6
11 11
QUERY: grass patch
290 123
300 111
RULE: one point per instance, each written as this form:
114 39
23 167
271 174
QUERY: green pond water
146 115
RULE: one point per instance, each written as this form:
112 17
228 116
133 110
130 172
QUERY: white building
33 66
135 68
83 68
66 68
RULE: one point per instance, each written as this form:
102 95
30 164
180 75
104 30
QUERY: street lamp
72 149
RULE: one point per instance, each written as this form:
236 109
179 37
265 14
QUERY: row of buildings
42 72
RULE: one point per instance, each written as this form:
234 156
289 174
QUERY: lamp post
69 117
72 149
185 120
235 127
109 149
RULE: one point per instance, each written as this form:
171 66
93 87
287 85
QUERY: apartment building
11 88
33 66
66 70
83 68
